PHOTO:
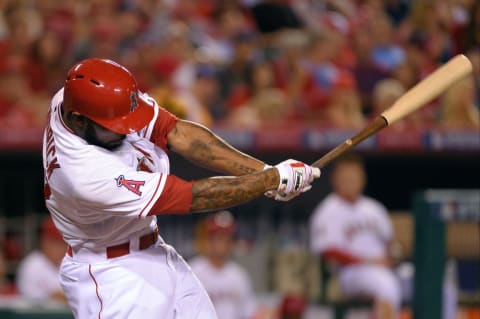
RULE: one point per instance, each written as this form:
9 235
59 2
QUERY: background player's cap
107 93
220 222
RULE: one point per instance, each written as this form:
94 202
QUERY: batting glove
295 178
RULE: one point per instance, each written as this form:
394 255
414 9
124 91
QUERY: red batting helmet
106 93
221 222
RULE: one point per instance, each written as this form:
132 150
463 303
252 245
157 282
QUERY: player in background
226 282
354 232
105 157
37 275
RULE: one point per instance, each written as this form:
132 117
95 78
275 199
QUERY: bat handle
379 123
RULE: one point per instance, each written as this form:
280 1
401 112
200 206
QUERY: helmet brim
133 121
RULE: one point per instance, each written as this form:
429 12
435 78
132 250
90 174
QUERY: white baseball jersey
229 288
83 179
362 229
32 285
100 198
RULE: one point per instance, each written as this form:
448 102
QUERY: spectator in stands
7 288
355 37
226 282
267 105
353 232
199 100
37 276
235 76
23 24
267 108
177 43
324 73
366 75
344 107
406 73
163 90
458 109
46 64
20 107
386 54
290 72
228 21
384 94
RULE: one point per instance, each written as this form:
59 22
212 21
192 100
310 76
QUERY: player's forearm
223 192
204 148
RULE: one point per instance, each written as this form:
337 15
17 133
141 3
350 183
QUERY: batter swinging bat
426 90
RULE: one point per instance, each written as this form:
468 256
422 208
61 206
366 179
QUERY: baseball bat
423 92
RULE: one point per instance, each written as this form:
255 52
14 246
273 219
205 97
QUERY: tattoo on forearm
207 152
199 150
242 168
219 193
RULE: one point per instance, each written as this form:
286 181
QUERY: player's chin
112 145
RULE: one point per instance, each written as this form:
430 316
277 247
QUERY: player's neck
217 262
349 199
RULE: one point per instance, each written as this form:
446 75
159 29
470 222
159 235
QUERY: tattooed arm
224 192
202 147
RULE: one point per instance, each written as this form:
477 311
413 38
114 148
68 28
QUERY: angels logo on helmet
133 101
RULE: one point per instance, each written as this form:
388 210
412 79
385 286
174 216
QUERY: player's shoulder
327 206
236 270
373 204
235 267
198 262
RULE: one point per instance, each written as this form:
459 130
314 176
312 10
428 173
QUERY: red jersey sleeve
165 122
176 197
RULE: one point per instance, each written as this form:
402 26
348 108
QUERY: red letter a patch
130 184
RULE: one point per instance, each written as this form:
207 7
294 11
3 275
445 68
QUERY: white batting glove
295 178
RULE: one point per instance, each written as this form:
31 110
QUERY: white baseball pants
152 283
371 280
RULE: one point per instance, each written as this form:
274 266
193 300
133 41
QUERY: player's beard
92 138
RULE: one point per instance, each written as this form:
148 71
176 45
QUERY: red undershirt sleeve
166 121
340 257
176 197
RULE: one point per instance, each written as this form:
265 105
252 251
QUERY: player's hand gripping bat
423 92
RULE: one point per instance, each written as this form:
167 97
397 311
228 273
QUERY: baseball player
354 231
227 283
45 261
107 176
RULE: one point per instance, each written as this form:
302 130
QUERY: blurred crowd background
252 65
246 63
